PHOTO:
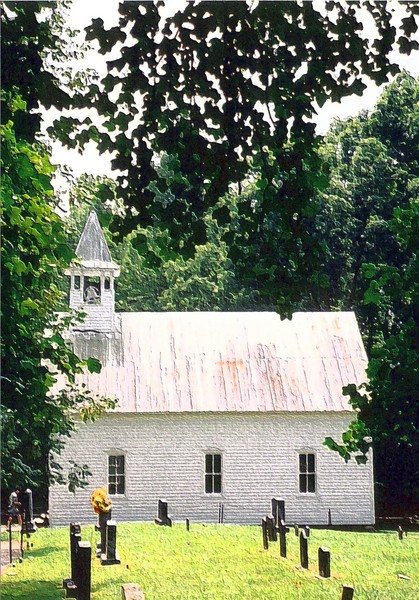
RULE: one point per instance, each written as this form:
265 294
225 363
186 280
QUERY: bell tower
92 279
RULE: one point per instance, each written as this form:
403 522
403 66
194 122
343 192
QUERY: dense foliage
35 252
369 223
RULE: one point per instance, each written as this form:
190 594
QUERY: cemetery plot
215 561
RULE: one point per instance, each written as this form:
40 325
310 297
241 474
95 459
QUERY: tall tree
34 253
369 224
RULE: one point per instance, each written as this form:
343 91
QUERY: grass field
221 562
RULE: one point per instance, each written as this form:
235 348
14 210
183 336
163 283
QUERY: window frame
117 475
212 473
307 474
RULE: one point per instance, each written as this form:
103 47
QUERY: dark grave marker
75 538
271 529
265 535
83 570
296 530
283 530
347 592
324 562
111 556
303 549
27 507
307 530
163 517
187 524
400 532
278 510
103 519
220 512
329 517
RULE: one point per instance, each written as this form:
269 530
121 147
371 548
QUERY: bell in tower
92 280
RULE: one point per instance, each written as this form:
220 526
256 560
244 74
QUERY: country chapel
214 409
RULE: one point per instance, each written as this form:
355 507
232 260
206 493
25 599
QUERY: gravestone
283 530
132 591
303 549
70 584
278 510
28 525
110 557
296 530
187 525
103 519
329 517
163 517
220 512
400 532
265 535
83 570
347 592
271 529
307 530
324 562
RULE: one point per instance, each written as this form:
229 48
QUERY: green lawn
221 562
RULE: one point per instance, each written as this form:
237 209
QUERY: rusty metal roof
226 362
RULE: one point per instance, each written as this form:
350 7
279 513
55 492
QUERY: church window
116 474
107 283
307 473
91 292
76 282
213 473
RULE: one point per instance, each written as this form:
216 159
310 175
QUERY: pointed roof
92 248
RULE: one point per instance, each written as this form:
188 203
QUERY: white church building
215 409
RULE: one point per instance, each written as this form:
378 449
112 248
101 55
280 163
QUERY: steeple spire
92 246
92 279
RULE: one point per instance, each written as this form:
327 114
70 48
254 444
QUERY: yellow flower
100 501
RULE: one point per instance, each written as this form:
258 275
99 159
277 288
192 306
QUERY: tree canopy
221 85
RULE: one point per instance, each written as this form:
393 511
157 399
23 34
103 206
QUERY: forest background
225 198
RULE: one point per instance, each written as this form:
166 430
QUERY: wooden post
10 542
283 530
83 570
303 549
265 535
347 592
324 562
271 529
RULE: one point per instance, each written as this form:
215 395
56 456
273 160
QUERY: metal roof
226 362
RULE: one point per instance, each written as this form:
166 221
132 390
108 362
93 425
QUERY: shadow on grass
34 590
40 552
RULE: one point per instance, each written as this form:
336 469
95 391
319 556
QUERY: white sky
81 14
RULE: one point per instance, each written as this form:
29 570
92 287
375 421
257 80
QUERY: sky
81 14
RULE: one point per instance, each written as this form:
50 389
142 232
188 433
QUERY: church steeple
92 279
